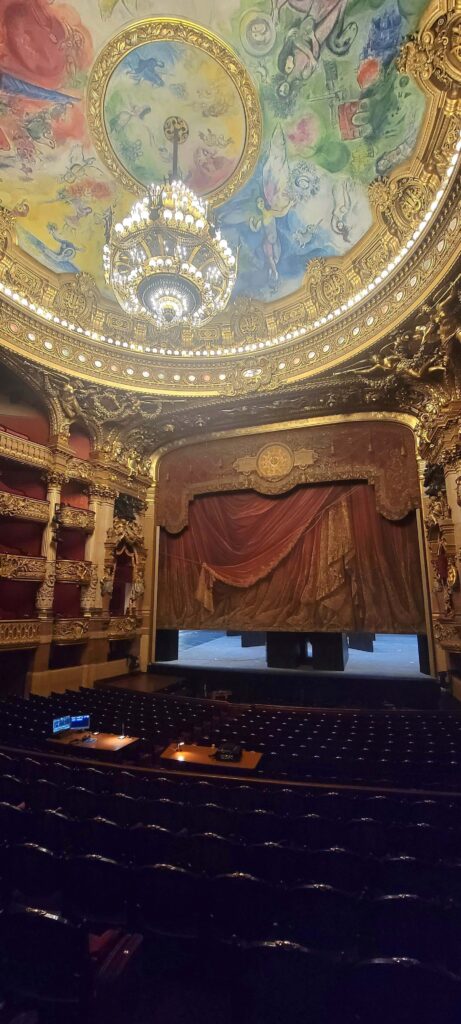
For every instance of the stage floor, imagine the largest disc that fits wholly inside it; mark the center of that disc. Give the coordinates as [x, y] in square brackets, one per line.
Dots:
[392, 655]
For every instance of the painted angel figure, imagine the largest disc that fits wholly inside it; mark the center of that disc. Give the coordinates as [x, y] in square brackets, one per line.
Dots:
[322, 24]
[275, 203]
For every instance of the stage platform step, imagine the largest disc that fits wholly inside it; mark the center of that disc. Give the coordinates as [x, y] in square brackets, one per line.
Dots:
[302, 689]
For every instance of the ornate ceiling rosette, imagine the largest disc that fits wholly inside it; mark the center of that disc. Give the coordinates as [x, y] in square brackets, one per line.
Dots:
[294, 323]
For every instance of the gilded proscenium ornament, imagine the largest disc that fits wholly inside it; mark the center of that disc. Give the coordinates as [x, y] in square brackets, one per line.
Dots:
[174, 30]
[18, 506]
[73, 571]
[19, 632]
[22, 567]
[275, 461]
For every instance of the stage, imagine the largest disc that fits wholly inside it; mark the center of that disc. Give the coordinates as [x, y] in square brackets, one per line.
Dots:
[297, 688]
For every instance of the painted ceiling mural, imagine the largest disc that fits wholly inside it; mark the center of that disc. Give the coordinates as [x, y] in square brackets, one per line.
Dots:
[336, 114]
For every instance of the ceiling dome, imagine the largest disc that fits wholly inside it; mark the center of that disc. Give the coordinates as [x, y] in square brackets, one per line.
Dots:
[310, 133]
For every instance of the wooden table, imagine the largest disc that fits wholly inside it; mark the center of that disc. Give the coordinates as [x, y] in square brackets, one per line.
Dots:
[99, 742]
[192, 754]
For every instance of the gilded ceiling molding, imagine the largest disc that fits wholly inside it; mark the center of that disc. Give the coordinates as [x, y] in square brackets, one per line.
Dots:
[174, 30]
[432, 58]
[399, 296]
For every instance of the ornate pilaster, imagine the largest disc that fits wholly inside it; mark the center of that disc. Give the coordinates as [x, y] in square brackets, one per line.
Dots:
[96, 597]
[442, 449]
[53, 496]
[45, 594]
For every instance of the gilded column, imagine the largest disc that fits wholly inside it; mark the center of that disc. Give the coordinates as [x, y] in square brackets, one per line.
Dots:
[147, 606]
[45, 593]
[96, 597]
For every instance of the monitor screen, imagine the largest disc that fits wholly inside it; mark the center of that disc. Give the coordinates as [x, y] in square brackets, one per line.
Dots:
[61, 724]
[80, 722]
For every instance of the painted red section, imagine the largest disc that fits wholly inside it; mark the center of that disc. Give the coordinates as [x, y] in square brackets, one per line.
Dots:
[71, 544]
[20, 538]
[80, 442]
[72, 494]
[17, 599]
[122, 577]
[67, 600]
[21, 480]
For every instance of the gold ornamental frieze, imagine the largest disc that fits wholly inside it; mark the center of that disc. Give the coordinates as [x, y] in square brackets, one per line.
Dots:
[17, 506]
[448, 635]
[70, 630]
[72, 571]
[19, 632]
[22, 567]
[275, 461]
[76, 518]
[121, 627]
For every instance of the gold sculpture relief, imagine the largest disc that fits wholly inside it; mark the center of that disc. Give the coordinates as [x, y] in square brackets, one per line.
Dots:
[70, 630]
[19, 632]
[448, 635]
[22, 567]
[400, 203]
[125, 530]
[121, 627]
[17, 506]
[434, 55]
[275, 461]
[76, 518]
[73, 571]
[76, 299]
[327, 285]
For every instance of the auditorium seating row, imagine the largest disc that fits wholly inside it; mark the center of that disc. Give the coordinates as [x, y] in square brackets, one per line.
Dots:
[301, 902]
[376, 747]
[375, 843]
[260, 981]
[164, 898]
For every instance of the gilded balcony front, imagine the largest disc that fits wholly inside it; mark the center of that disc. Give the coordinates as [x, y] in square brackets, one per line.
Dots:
[19, 632]
[121, 627]
[76, 518]
[18, 506]
[22, 567]
[72, 571]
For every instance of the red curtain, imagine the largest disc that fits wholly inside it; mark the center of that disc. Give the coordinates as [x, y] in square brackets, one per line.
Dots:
[319, 558]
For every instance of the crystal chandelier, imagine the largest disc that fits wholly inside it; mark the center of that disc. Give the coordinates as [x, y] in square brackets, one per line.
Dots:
[167, 262]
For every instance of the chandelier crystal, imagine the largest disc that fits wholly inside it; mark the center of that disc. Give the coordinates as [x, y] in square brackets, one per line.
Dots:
[167, 262]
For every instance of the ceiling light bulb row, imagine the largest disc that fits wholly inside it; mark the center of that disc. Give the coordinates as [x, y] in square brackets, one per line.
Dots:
[297, 333]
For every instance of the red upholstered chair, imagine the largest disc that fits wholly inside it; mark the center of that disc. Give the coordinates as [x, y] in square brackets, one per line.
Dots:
[45, 961]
